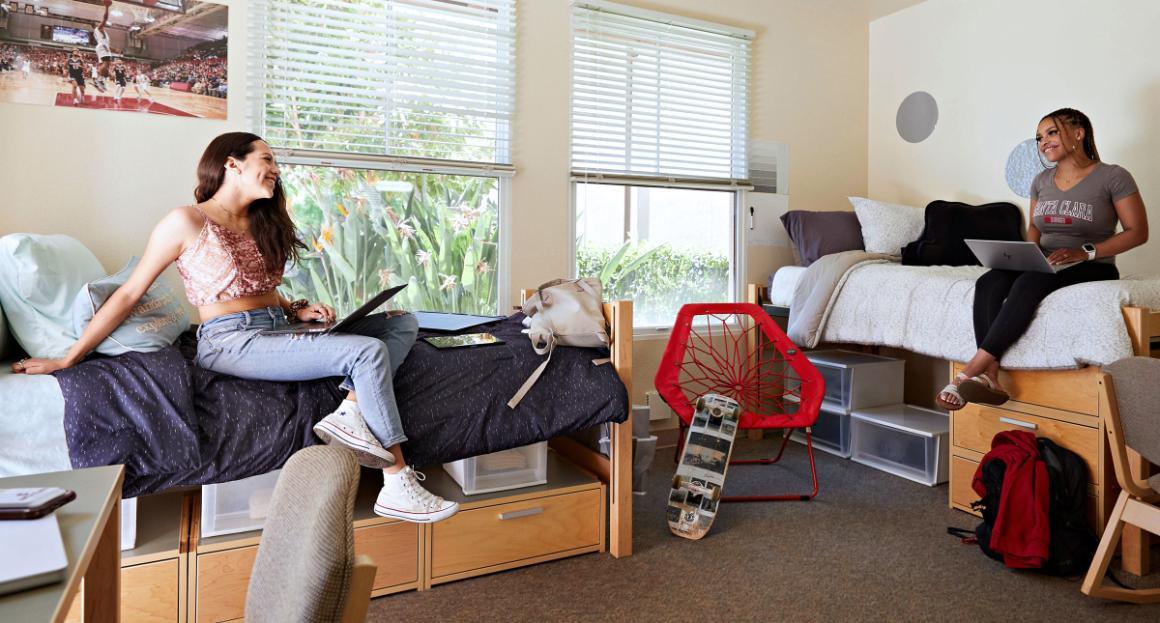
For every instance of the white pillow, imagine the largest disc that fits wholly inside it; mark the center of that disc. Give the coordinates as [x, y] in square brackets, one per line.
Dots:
[887, 227]
[39, 280]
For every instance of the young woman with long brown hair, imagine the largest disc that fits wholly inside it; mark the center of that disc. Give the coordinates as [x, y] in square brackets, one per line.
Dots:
[230, 249]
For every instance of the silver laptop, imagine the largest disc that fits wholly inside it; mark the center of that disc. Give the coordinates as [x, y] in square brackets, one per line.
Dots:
[322, 328]
[1013, 255]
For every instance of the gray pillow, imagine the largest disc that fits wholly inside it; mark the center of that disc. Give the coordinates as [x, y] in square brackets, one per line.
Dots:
[155, 322]
[815, 234]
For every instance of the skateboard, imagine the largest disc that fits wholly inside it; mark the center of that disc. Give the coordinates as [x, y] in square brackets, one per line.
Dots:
[701, 473]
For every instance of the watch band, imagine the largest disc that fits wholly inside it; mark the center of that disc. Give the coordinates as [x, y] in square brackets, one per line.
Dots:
[1090, 249]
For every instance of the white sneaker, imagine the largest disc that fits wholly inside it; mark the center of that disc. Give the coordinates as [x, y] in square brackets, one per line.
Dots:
[404, 498]
[346, 427]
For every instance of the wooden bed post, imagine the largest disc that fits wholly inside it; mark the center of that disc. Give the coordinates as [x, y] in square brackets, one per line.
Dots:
[619, 316]
[616, 469]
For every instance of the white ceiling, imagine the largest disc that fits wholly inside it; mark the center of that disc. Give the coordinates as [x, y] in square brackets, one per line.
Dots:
[869, 10]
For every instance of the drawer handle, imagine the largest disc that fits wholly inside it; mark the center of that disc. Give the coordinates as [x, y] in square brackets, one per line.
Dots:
[527, 512]
[1007, 420]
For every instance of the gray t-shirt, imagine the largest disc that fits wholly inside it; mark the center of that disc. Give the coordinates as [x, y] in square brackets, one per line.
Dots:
[1085, 212]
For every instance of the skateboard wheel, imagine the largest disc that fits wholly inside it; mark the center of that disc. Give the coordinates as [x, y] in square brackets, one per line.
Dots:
[677, 481]
[716, 494]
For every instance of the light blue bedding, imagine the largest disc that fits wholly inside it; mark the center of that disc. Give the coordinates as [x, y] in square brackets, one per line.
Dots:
[31, 424]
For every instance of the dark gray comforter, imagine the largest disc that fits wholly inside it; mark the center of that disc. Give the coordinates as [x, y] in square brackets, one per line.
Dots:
[173, 424]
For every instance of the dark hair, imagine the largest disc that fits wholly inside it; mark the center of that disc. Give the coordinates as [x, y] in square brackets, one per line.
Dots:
[1073, 118]
[270, 223]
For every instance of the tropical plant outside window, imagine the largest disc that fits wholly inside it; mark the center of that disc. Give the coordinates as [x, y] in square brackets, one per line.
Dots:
[376, 89]
[368, 230]
[659, 247]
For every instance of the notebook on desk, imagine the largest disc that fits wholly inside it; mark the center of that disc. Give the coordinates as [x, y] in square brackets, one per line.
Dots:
[33, 553]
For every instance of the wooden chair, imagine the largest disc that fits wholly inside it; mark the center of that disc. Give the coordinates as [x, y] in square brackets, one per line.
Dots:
[306, 569]
[1127, 407]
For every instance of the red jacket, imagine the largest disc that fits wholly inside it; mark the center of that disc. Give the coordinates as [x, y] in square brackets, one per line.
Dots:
[1022, 531]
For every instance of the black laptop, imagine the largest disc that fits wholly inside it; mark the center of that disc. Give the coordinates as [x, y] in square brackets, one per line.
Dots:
[322, 328]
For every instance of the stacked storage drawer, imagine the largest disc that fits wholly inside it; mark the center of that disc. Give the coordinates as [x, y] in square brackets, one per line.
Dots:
[907, 441]
[853, 381]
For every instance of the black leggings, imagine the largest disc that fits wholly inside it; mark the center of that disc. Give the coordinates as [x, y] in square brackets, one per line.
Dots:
[1005, 300]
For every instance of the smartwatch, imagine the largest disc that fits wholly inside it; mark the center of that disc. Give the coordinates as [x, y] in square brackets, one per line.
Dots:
[1090, 249]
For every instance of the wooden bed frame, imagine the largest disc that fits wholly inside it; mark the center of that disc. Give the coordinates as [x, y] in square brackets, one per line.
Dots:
[175, 575]
[614, 470]
[1067, 396]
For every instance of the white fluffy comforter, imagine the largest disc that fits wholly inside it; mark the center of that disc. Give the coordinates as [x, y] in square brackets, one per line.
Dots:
[927, 309]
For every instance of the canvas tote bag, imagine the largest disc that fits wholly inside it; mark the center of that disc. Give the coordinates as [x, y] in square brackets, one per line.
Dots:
[567, 312]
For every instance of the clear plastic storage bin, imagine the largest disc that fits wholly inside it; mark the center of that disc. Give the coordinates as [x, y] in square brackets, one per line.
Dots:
[906, 441]
[508, 469]
[128, 523]
[237, 506]
[858, 380]
[831, 432]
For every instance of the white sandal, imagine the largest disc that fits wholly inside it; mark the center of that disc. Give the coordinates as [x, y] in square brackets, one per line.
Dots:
[983, 390]
[953, 390]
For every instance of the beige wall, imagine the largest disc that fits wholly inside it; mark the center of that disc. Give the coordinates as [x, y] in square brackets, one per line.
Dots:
[106, 178]
[810, 92]
[996, 67]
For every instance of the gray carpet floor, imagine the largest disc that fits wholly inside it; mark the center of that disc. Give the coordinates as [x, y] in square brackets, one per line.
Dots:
[870, 547]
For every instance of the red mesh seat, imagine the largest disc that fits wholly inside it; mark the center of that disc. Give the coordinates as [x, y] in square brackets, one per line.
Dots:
[736, 350]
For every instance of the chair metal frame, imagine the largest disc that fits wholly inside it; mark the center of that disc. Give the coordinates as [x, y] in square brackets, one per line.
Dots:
[739, 368]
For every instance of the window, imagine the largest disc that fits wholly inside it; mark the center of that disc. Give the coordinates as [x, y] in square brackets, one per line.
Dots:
[368, 230]
[659, 155]
[659, 247]
[391, 119]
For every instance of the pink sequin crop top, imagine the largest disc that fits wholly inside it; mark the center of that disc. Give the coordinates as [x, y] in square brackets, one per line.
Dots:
[222, 266]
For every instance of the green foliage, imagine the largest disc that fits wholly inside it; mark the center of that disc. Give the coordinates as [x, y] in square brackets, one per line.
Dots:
[369, 230]
[657, 279]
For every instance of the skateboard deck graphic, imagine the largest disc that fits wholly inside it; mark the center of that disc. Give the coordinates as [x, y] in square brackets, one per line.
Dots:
[700, 475]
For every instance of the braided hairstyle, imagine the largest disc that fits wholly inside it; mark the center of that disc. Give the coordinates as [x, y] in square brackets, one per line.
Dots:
[1072, 118]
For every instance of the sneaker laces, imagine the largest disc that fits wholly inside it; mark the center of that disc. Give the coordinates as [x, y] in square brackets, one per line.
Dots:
[416, 491]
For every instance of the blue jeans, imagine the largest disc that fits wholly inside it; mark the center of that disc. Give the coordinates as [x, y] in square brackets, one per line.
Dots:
[368, 356]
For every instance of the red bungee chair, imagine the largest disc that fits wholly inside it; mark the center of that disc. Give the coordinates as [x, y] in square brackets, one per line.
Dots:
[736, 350]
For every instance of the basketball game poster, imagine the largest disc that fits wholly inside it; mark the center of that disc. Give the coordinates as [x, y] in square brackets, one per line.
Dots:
[157, 57]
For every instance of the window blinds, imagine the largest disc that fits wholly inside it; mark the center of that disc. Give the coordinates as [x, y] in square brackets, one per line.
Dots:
[657, 96]
[422, 79]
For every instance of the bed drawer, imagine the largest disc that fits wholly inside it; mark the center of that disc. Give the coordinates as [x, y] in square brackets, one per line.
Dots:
[224, 576]
[1070, 390]
[516, 531]
[963, 470]
[149, 594]
[395, 550]
[975, 425]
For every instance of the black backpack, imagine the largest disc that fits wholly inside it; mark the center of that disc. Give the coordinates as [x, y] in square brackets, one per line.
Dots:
[1073, 543]
[948, 223]
[993, 473]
